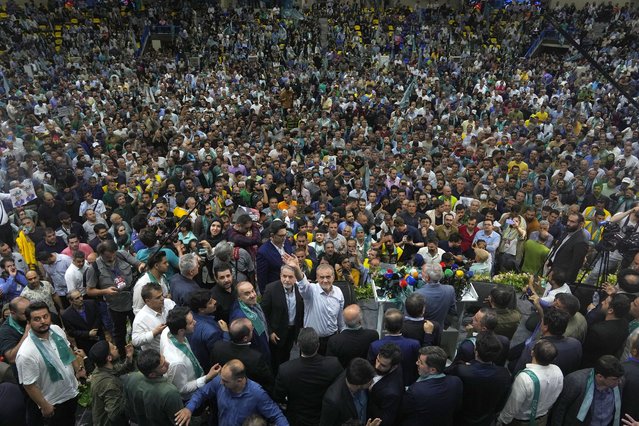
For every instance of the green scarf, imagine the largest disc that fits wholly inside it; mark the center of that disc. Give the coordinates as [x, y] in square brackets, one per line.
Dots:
[431, 377]
[589, 396]
[14, 324]
[186, 350]
[64, 351]
[254, 317]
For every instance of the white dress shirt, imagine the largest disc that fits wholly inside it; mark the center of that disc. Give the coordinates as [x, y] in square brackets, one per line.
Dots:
[551, 381]
[181, 372]
[74, 277]
[138, 303]
[33, 370]
[144, 323]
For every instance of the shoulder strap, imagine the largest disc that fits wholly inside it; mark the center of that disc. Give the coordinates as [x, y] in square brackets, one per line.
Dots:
[84, 277]
[536, 391]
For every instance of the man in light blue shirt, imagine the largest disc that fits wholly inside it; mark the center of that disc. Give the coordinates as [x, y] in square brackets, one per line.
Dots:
[323, 302]
[237, 398]
[56, 265]
[489, 235]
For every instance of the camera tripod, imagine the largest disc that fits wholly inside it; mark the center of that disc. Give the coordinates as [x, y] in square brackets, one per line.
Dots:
[602, 275]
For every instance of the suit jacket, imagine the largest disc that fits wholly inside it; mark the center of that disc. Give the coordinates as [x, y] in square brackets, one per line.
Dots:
[570, 256]
[486, 389]
[410, 353]
[351, 344]
[259, 342]
[466, 351]
[385, 398]
[257, 368]
[415, 330]
[567, 407]
[301, 383]
[276, 311]
[432, 402]
[79, 328]
[604, 338]
[630, 396]
[337, 405]
[268, 263]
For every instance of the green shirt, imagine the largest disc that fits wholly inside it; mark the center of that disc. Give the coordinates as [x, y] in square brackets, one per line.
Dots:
[151, 402]
[507, 322]
[107, 394]
[534, 256]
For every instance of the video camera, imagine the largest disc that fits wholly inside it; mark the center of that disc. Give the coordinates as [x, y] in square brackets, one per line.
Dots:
[614, 237]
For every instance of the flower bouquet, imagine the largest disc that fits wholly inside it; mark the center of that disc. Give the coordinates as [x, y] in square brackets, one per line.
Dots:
[457, 276]
[517, 280]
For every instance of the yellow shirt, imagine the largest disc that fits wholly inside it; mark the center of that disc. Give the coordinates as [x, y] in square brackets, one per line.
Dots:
[522, 165]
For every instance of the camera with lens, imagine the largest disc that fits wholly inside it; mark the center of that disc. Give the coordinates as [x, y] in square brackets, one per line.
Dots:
[614, 237]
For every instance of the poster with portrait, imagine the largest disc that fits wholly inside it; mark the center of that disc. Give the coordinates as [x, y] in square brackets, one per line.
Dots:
[23, 193]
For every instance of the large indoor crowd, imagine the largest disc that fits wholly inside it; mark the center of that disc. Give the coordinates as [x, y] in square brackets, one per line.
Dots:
[193, 201]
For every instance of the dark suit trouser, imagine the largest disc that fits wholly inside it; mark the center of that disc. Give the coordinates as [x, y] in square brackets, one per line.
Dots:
[119, 328]
[282, 352]
[323, 343]
[64, 414]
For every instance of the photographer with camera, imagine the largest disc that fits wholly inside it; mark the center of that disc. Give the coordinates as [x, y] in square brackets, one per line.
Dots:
[621, 239]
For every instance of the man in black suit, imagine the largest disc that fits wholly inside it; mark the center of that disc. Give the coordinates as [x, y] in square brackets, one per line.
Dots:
[345, 400]
[82, 321]
[222, 291]
[284, 311]
[486, 385]
[607, 337]
[426, 332]
[569, 251]
[241, 333]
[385, 398]
[302, 382]
[354, 340]
[434, 398]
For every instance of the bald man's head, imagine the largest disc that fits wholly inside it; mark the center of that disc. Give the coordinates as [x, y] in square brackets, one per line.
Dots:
[353, 316]
[233, 376]
[241, 330]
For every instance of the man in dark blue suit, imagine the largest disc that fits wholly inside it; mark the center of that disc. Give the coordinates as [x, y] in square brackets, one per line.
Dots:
[269, 255]
[82, 321]
[385, 397]
[246, 306]
[441, 301]
[486, 385]
[208, 329]
[393, 322]
[434, 398]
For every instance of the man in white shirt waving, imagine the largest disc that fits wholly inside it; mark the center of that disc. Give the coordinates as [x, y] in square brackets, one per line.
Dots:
[323, 302]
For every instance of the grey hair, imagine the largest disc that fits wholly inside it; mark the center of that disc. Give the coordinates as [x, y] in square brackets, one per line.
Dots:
[290, 268]
[544, 223]
[187, 263]
[223, 250]
[434, 273]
